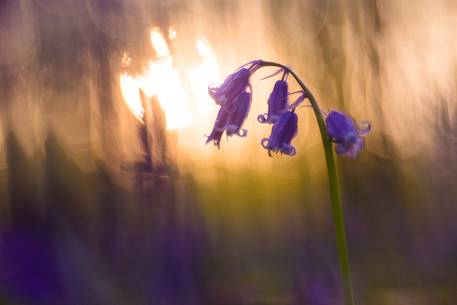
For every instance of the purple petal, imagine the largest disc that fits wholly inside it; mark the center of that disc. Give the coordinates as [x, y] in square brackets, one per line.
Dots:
[277, 101]
[215, 137]
[232, 86]
[350, 150]
[282, 133]
[339, 125]
[341, 149]
[356, 148]
[288, 150]
[242, 104]
[220, 125]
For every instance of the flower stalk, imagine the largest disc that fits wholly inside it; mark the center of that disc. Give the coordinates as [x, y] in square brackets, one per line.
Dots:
[334, 188]
[336, 128]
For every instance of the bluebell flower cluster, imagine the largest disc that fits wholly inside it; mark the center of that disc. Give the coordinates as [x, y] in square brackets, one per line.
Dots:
[336, 127]
[234, 97]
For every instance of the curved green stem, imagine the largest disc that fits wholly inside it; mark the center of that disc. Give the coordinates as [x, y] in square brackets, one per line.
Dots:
[335, 196]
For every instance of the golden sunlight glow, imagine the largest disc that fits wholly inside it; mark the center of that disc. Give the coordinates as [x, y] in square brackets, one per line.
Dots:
[171, 33]
[162, 79]
[159, 44]
[130, 88]
[203, 74]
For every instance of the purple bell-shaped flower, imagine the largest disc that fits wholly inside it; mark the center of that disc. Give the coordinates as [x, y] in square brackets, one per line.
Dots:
[343, 131]
[282, 133]
[230, 118]
[277, 103]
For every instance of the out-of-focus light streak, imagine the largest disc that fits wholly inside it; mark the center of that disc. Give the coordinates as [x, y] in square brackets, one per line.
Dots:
[207, 72]
[162, 79]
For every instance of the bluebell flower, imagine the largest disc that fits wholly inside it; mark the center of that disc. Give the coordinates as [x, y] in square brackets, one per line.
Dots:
[230, 118]
[277, 103]
[282, 133]
[343, 131]
[233, 85]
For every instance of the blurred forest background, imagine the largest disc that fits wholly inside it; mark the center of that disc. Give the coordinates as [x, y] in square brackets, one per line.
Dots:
[228, 226]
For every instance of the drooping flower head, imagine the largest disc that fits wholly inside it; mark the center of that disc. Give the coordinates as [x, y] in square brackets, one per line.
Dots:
[235, 101]
[277, 103]
[230, 118]
[282, 133]
[343, 131]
